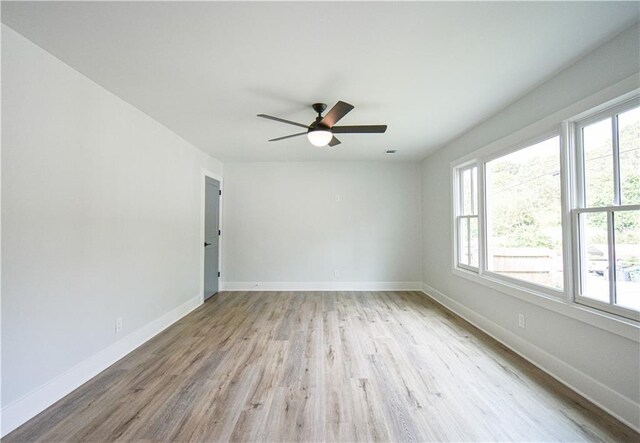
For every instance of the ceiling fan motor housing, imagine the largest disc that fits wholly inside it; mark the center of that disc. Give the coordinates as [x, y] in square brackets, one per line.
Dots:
[317, 126]
[319, 108]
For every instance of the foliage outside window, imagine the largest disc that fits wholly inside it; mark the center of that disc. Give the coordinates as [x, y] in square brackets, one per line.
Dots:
[524, 214]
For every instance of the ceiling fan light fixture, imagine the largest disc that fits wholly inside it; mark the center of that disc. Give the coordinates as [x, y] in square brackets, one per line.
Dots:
[319, 137]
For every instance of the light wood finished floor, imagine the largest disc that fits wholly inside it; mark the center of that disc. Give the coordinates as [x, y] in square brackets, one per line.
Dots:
[322, 366]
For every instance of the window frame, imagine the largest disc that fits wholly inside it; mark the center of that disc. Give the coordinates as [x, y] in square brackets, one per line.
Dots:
[483, 251]
[624, 90]
[459, 214]
[555, 131]
[579, 205]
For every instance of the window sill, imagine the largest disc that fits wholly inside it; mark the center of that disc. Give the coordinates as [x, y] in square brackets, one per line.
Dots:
[609, 322]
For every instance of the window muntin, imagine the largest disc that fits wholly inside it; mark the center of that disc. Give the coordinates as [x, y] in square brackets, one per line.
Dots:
[467, 218]
[524, 214]
[608, 212]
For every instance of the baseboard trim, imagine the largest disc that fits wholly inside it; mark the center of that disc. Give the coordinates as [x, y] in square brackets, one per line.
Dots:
[322, 286]
[27, 407]
[612, 402]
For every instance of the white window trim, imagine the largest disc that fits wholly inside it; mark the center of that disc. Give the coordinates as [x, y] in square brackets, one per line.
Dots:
[456, 180]
[558, 122]
[579, 205]
[480, 163]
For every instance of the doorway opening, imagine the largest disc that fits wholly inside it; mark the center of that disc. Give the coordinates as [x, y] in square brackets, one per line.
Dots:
[212, 234]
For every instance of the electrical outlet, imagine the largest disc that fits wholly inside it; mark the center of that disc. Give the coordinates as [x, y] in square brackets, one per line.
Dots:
[336, 273]
[521, 321]
[118, 325]
[256, 285]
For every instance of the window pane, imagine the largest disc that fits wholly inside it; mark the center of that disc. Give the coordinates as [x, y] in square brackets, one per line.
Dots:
[627, 247]
[473, 238]
[629, 142]
[466, 192]
[594, 267]
[463, 241]
[598, 164]
[524, 214]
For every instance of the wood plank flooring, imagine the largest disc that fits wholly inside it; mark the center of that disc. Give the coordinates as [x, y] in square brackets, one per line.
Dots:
[322, 366]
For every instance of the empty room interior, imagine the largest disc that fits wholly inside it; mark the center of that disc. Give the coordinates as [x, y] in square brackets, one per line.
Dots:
[320, 221]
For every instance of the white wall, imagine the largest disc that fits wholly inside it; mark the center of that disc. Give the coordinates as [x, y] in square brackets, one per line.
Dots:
[100, 218]
[284, 229]
[603, 365]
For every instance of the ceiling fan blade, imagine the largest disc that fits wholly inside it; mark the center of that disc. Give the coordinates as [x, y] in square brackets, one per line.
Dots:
[362, 129]
[334, 141]
[287, 136]
[338, 111]
[281, 120]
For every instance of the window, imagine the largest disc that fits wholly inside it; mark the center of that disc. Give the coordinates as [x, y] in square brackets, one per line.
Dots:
[607, 214]
[558, 216]
[524, 214]
[467, 218]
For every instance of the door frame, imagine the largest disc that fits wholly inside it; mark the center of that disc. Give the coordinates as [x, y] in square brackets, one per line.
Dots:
[203, 178]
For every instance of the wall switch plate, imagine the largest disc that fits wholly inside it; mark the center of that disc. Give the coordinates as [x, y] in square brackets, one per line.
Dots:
[118, 325]
[336, 273]
[337, 197]
[521, 320]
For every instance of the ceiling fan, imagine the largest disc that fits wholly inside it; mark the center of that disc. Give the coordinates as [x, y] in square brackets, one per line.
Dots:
[321, 131]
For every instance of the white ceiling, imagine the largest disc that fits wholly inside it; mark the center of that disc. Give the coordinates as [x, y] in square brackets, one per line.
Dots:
[430, 71]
